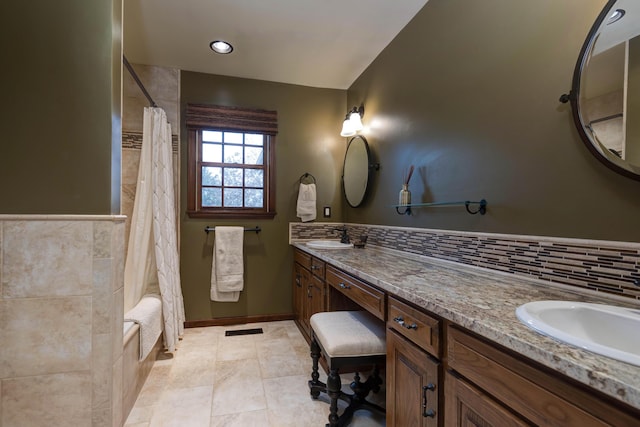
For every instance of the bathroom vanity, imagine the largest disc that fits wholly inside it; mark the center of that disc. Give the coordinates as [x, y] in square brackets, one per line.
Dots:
[456, 353]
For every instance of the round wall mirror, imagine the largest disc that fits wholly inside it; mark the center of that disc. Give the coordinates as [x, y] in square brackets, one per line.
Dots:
[356, 171]
[605, 93]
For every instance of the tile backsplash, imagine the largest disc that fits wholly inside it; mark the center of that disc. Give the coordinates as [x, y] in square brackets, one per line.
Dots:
[604, 266]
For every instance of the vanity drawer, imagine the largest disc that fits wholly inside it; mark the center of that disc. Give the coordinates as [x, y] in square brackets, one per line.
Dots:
[302, 258]
[540, 396]
[418, 327]
[317, 268]
[365, 295]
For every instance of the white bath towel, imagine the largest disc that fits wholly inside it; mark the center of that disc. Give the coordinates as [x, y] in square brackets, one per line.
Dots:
[227, 269]
[148, 314]
[306, 206]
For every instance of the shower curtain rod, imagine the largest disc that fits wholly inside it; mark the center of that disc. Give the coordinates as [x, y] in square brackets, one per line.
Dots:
[135, 77]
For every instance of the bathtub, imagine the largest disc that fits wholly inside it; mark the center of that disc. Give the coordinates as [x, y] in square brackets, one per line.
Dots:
[135, 371]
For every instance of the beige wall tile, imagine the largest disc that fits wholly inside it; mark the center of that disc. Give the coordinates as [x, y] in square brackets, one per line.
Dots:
[42, 336]
[118, 255]
[117, 394]
[47, 258]
[60, 309]
[47, 400]
[117, 321]
[102, 303]
[130, 165]
[1, 260]
[102, 379]
[102, 239]
[163, 86]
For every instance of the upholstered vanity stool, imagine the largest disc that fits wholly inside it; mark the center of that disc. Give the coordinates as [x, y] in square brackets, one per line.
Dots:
[347, 339]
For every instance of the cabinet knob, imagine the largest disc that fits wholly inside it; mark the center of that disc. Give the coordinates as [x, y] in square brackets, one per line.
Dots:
[343, 286]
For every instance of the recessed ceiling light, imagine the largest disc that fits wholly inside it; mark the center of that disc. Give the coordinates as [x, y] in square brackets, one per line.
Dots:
[616, 16]
[221, 46]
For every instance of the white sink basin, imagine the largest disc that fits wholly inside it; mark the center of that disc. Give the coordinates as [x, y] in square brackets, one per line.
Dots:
[603, 329]
[328, 244]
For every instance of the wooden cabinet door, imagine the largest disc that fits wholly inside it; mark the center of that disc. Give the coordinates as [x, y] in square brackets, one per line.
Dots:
[412, 385]
[298, 292]
[316, 296]
[305, 295]
[466, 406]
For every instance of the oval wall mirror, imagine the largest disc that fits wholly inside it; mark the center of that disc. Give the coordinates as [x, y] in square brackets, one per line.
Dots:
[605, 93]
[356, 171]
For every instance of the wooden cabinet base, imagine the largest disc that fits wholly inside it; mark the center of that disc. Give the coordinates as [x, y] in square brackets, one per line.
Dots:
[413, 390]
[541, 397]
[466, 406]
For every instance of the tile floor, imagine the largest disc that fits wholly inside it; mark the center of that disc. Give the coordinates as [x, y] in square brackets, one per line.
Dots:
[244, 381]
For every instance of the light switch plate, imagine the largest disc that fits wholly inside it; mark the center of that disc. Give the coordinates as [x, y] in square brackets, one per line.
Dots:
[327, 211]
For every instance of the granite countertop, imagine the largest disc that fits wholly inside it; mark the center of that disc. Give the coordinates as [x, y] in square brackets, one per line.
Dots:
[485, 302]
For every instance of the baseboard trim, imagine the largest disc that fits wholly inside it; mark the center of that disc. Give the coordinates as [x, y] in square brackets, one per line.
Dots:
[237, 320]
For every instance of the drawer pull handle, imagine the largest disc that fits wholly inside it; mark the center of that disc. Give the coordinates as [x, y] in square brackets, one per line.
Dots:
[314, 267]
[343, 286]
[430, 413]
[400, 321]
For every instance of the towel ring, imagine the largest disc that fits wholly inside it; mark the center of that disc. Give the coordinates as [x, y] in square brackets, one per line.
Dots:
[307, 175]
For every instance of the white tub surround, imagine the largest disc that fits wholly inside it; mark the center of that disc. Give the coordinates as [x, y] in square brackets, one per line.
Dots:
[61, 307]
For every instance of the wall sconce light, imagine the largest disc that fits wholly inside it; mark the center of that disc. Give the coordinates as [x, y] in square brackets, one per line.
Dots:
[352, 122]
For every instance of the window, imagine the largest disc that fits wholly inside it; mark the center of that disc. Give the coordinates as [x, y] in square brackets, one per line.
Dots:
[231, 162]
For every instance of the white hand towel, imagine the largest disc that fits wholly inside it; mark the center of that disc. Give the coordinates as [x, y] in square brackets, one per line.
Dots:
[148, 314]
[227, 269]
[306, 206]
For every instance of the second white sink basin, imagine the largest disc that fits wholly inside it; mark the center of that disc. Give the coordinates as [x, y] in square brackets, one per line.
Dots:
[607, 330]
[328, 244]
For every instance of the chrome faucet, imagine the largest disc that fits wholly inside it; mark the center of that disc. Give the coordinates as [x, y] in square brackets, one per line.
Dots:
[344, 237]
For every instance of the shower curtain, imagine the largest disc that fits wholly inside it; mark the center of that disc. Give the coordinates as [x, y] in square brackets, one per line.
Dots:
[152, 264]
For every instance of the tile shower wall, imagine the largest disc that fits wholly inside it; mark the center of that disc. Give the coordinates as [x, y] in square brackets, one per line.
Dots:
[61, 302]
[163, 84]
[603, 266]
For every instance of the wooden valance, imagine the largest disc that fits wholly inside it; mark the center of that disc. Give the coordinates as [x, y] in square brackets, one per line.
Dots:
[232, 118]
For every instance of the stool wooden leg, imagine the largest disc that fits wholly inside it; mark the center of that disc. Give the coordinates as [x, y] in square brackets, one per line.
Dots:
[315, 386]
[374, 381]
[360, 389]
[333, 390]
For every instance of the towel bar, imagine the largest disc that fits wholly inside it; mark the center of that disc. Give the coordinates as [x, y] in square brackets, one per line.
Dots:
[257, 229]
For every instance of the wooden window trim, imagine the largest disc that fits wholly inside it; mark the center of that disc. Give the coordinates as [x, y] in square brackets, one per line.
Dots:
[230, 119]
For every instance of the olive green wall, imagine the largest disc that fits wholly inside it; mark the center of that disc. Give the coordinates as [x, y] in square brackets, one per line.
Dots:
[308, 140]
[61, 98]
[468, 93]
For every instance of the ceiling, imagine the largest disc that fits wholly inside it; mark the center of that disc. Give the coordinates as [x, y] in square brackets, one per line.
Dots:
[318, 43]
[625, 29]
[606, 65]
